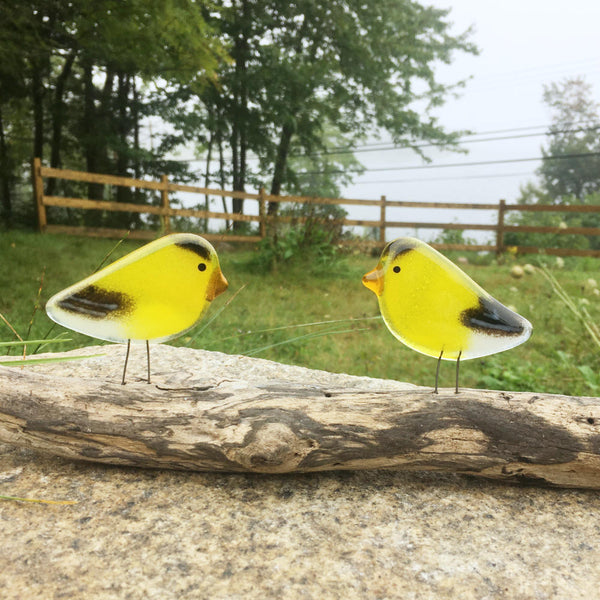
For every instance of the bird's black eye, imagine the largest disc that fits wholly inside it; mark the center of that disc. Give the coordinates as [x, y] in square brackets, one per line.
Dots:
[202, 267]
[396, 269]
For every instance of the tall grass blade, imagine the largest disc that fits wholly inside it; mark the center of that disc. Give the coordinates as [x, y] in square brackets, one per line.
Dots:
[36, 305]
[580, 312]
[298, 325]
[10, 326]
[306, 336]
[110, 252]
[217, 313]
[25, 342]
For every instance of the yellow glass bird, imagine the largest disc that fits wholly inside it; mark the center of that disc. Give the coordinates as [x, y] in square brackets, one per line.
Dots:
[156, 293]
[433, 307]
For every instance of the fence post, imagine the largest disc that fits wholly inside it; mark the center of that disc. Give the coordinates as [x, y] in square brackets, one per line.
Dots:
[262, 213]
[164, 200]
[382, 220]
[38, 193]
[500, 230]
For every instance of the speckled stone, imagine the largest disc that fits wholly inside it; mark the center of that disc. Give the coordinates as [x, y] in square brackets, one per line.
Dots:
[375, 535]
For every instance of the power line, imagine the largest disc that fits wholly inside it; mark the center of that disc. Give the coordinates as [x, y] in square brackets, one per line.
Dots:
[464, 138]
[464, 164]
[460, 177]
[357, 150]
[528, 71]
[489, 132]
[384, 146]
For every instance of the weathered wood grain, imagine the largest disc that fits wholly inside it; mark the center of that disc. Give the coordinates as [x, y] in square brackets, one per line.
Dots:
[280, 428]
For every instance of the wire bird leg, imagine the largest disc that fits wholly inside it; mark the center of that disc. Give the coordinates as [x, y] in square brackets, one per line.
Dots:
[457, 367]
[148, 358]
[437, 372]
[126, 360]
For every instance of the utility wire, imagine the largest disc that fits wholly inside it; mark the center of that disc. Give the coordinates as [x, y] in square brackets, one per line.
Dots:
[385, 146]
[547, 131]
[460, 177]
[427, 145]
[447, 165]
[464, 164]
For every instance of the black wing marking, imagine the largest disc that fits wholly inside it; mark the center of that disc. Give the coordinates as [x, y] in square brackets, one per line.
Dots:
[96, 303]
[493, 318]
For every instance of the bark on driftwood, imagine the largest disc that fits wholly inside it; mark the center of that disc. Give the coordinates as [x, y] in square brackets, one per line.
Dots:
[283, 427]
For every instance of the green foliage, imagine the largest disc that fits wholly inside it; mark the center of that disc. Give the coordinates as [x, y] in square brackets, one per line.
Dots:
[311, 233]
[453, 236]
[301, 68]
[498, 374]
[322, 173]
[287, 81]
[574, 131]
[564, 180]
[591, 378]
[73, 91]
[292, 244]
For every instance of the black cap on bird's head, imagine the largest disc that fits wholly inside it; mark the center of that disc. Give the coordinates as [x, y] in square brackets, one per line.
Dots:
[374, 279]
[199, 247]
[398, 247]
[217, 283]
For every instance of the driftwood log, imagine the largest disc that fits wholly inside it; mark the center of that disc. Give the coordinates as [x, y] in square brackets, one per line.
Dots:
[282, 427]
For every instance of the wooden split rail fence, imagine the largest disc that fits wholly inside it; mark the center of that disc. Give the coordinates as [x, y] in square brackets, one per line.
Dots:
[165, 211]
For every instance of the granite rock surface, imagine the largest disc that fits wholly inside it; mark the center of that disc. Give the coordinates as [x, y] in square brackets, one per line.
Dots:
[151, 534]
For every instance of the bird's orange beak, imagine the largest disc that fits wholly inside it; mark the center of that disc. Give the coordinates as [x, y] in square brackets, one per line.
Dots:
[374, 280]
[216, 285]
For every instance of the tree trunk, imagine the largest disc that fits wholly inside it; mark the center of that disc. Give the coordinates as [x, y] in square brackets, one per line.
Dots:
[90, 134]
[237, 204]
[6, 176]
[139, 195]
[123, 194]
[288, 129]
[135, 117]
[37, 97]
[222, 176]
[280, 163]
[106, 121]
[58, 118]
[239, 424]
[207, 174]
[240, 123]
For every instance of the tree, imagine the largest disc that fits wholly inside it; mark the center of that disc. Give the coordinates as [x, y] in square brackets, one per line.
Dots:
[570, 172]
[534, 194]
[359, 66]
[298, 67]
[574, 133]
[83, 76]
[83, 69]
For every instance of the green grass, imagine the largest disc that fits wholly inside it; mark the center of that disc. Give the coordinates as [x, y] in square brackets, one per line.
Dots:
[266, 315]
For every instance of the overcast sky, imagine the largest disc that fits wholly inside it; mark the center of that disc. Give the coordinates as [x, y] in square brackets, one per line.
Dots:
[523, 44]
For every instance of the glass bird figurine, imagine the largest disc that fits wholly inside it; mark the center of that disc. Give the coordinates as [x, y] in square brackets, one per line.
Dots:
[433, 307]
[155, 293]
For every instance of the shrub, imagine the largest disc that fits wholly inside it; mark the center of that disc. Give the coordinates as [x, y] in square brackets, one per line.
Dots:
[310, 231]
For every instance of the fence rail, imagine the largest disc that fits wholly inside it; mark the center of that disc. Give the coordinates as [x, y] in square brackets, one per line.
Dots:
[165, 211]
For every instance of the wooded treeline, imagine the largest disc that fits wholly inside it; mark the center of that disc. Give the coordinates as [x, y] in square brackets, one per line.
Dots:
[262, 89]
